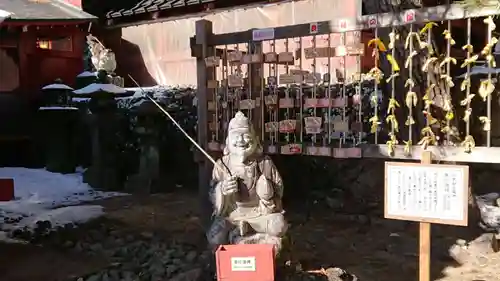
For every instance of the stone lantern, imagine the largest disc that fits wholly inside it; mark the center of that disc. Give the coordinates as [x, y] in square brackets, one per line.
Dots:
[147, 178]
[104, 172]
[56, 94]
[57, 128]
[85, 78]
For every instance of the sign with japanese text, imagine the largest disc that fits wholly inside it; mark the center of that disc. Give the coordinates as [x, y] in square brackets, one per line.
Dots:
[427, 193]
[243, 264]
[263, 34]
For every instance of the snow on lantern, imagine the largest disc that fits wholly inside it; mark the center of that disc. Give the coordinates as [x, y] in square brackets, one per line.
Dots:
[85, 78]
[56, 94]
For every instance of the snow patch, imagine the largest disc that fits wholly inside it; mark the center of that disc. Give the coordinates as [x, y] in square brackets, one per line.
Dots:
[42, 195]
[87, 74]
[57, 87]
[64, 215]
[97, 87]
[58, 108]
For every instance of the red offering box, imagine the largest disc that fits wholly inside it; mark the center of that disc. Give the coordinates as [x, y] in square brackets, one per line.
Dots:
[6, 189]
[245, 262]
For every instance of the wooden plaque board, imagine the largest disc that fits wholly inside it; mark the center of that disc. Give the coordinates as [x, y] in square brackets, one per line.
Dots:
[431, 193]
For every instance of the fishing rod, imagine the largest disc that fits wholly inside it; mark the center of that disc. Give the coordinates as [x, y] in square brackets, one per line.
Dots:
[225, 168]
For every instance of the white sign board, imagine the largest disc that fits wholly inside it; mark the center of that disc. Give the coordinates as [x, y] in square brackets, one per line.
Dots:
[263, 34]
[243, 264]
[427, 193]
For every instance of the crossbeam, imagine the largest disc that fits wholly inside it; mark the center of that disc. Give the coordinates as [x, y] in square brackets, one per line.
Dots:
[424, 15]
[440, 153]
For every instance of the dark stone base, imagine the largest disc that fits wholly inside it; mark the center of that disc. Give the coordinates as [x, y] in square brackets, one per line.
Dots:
[103, 178]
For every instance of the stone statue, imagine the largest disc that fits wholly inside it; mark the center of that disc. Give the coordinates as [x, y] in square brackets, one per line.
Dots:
[246, 192]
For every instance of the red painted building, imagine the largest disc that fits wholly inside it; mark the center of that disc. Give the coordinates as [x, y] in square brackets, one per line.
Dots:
[41, 40]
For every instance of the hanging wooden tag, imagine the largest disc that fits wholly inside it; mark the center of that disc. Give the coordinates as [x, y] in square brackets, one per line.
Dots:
[291, 149]
[212, 84]
[247, 104]
[211, 106]
[290, 79]
[310, 103]
[341, 126]
[271, 57]
[271, 100]
[235, 56]
[299, 72]
[212, 61]
[287, 126]
[324, 151]
[353, 152]
[313, 125]
[246, 59]
[339, 153]
[319, 151]
[324, 102]
[318, 52]
[286, 57]
[256, 58]
[338, 102]
[271, 149]
[235, 81]
[271, 127]
[312, 78]
[350, 50]
[286, 103]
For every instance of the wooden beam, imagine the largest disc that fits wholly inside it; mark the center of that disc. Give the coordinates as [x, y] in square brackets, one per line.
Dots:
[441, 153]
[435, 14]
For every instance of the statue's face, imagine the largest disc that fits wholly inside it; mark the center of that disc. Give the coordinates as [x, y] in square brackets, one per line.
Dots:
[241, 142]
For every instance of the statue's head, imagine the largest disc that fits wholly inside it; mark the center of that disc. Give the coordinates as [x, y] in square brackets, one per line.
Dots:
[241, 140]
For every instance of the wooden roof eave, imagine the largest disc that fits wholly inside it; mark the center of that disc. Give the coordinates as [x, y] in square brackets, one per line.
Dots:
[42, 22]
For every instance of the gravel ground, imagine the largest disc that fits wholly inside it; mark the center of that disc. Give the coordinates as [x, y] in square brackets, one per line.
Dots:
[159, 238]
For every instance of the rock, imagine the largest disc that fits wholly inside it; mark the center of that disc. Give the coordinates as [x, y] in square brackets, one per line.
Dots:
[338, 274]
[190, 275]
[171, 269]
[147, 235]
[128, 276]
[94, 277]
[114, 274]
[157, 269]
[78, 247]
[96, 247]
[191, 256]
[68, 244]
[459, 254]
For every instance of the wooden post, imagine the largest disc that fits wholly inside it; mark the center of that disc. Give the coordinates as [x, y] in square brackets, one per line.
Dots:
[424, 263]
[203, 34]
[256, 75]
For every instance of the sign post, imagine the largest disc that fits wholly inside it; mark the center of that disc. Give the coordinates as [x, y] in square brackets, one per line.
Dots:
[424, 240]
[426, 193]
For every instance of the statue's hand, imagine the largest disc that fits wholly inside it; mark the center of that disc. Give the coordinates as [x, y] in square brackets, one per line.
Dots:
[229, 185]
[264, 189]
[266, 207]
